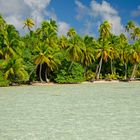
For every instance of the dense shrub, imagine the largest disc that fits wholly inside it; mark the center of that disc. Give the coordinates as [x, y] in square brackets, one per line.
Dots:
[89, 75]
[73, 75]
[114, 76]
[3, 82]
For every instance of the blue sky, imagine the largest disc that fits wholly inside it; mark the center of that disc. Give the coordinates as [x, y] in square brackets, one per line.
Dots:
[84, 15]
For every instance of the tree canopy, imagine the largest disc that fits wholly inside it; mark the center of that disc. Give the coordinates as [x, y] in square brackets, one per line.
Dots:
[42, 55]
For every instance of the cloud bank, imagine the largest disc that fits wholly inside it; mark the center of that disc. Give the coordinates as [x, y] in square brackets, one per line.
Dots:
[96, 13]
[16, 11]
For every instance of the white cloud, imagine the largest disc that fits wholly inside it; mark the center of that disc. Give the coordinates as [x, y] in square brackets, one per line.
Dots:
[37, 17]
[16, 11]
[136, 12]
[15, 20]
[37, 4]
[63, 28]
[82, 10]
[13, 7]
[100, 12]
[102, 9]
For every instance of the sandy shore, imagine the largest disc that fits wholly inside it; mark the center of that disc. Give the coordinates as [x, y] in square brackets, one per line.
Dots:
[86, 82]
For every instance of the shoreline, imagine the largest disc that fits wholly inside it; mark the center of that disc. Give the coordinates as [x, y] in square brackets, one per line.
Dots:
[86, 82]
[37, 83]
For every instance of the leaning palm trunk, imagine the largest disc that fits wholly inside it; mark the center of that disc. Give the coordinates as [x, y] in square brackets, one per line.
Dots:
[125, 67]
[134, 71]
[32, 72]
[100, 67]
[97, 69]
[40, 71]
[95, 76]
[70, 66]
[85, 70]
[46, 76]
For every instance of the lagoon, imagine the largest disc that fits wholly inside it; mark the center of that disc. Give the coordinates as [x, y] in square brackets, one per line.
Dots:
[90, 111]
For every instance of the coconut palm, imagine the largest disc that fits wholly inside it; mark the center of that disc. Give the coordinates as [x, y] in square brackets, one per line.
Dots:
[135, 34]
[135, 57]
[104, 30]
[124, 52]
[63, 42]
[102, 53]
[53, 26]
[2, 23]
[113, 51]
[130, 26]
[14, 69]
[75, 50]
[102, 46]
[46, 55]
[71, 32]
[48, 33]
[12, 43]
[29, 23]
[89, 56]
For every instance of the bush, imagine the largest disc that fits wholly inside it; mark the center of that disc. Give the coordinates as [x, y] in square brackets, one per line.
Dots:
[89, 75]
[114, 76]
[74, 75]
[3, 82]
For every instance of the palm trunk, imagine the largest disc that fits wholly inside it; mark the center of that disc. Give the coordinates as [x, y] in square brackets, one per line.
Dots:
[125, 66]
[133, 72]
[85, 70]
[70, 66]
[40, 70]
[95, 77]
[29, 29]
[100, 67]
[111, 65]
[32, 72]
[46, 76]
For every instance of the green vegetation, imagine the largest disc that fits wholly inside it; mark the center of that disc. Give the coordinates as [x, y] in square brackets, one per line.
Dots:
[73, 75]
[42, 55]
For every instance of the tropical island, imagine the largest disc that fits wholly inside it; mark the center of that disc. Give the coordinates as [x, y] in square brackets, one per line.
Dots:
[41, 55]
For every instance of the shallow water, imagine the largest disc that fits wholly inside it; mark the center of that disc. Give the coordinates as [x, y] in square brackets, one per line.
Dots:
[105, 111]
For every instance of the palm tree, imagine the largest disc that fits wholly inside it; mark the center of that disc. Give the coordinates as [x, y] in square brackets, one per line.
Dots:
[104, 30]
[124, 52]
[2, 23]
[136, 33]
[113, 50]
[47, 46]
[75, 50]
[11, 42]
[135, 57]
[29, 23]
[71, 32]
[89, 56]
[14, 69]
[130, 26]
[48, 33]
[102, 46]
[46, 55]
[102, 53]
[53, 26]
[63, 42]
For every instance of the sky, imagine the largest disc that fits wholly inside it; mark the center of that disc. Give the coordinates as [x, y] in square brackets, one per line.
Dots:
[83, 15]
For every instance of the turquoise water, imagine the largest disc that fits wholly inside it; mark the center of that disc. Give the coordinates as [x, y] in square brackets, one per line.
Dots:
[108, 111]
